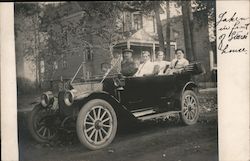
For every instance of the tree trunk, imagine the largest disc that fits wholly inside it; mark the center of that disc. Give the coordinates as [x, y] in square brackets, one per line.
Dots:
[36, 49]
[187, 30]
[159, 25]
[167, 31]
[191, 20]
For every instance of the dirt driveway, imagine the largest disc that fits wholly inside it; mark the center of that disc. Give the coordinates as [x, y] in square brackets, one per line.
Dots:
[148, 141]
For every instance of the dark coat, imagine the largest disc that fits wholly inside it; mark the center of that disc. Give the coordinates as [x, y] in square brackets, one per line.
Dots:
[128, 68]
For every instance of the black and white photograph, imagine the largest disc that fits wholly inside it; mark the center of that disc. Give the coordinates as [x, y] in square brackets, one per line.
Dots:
[127, 80]
[121, 80]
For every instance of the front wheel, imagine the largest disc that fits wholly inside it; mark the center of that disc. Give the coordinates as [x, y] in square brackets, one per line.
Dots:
[96, 124]
[190, 108]
[41, 124]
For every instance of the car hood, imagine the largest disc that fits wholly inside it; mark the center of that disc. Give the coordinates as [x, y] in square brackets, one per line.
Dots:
[87, 87]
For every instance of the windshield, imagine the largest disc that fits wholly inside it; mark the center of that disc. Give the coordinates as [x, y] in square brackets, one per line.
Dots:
[109, 72]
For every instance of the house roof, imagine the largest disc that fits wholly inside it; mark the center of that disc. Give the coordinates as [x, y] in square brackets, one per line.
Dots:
[139, 38]
[141, 35]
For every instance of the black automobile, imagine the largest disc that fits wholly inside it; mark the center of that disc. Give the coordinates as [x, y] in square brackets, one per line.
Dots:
[96, 107]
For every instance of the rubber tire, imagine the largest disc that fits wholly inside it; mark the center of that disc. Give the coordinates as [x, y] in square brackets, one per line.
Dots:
[183, 118]
[80, 119]
[31, 124]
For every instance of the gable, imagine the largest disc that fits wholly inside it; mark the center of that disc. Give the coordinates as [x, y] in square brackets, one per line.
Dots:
[141, 35]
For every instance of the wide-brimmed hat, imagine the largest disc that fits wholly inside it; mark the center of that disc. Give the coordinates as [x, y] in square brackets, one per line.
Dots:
[127, 50]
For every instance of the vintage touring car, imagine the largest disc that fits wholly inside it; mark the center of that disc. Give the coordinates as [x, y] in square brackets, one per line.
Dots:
[95, 108]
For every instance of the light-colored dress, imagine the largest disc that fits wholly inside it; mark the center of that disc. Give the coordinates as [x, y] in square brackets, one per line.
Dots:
[145, 69]
[162, 65]
[177, 65]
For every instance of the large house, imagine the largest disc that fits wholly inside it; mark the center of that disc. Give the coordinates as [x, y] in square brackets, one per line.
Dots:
[143, 36]
[138, 33]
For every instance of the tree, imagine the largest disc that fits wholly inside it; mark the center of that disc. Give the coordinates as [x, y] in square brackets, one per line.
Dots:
[187, 26]
[188, 7]
[105, 19]
[209, 7]
[159, 25]
[27, 29]
[167, 30]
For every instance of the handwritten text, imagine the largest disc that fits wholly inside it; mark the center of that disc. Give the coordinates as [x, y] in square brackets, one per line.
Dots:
[232, 29]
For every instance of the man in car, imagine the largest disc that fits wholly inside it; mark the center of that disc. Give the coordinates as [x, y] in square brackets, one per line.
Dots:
[128, 66]
[177, 64]
[146, 67]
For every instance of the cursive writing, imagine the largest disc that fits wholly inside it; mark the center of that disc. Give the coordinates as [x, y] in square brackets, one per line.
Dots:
[232, 29]
[234, 18]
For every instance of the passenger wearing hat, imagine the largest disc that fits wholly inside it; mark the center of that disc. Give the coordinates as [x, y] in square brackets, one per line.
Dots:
[146, 68]
[128, 66]
[177, 64]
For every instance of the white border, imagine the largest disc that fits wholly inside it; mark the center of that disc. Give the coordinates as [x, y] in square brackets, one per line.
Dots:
[233, 91]
[9, 143]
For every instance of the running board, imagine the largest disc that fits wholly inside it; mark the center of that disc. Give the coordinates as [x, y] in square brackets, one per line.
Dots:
[158, 115]
[143, 113]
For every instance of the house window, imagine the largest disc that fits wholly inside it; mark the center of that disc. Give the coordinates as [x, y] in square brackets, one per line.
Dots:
[88, 55]
[137, 21]
[42, 67]
[154, 24]
[213, 45]
[173, 47]
[88, 75]
[149, 24]
[64, 65]
[55, 65]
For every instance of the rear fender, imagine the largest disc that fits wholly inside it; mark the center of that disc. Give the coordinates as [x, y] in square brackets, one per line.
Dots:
[121, 111]
[188, 86]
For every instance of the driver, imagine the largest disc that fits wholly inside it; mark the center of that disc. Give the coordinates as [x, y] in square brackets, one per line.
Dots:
[128, 66]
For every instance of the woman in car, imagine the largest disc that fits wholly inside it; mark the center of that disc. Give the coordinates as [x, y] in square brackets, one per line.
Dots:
[177, 64]
[146, 67]
[160, 64]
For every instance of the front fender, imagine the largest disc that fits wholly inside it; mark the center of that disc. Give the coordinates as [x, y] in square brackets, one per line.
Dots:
[121, 111]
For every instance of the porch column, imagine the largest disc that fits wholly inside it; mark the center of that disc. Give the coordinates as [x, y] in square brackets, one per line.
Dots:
[211, 57]
[128, 44]
[154, 57]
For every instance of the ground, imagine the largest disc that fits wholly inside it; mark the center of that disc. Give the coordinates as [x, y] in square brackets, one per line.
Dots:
[154, 140]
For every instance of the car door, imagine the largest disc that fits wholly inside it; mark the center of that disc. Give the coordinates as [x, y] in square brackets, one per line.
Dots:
[144, 92]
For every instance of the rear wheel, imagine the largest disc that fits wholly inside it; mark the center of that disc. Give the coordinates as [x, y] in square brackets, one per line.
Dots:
[96, 124]
[41, 124]
[190, 107]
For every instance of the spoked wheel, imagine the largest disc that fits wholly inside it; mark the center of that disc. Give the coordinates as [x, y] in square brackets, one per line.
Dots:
[96, 124]
[41, 124]
[190, 108]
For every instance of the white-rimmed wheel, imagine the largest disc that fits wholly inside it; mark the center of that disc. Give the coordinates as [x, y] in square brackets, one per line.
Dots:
[41, 124]
[190, 107]
[96, 124]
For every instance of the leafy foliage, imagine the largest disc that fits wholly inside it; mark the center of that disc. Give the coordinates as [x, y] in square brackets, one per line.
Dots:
[51, 34]
[27, 9]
